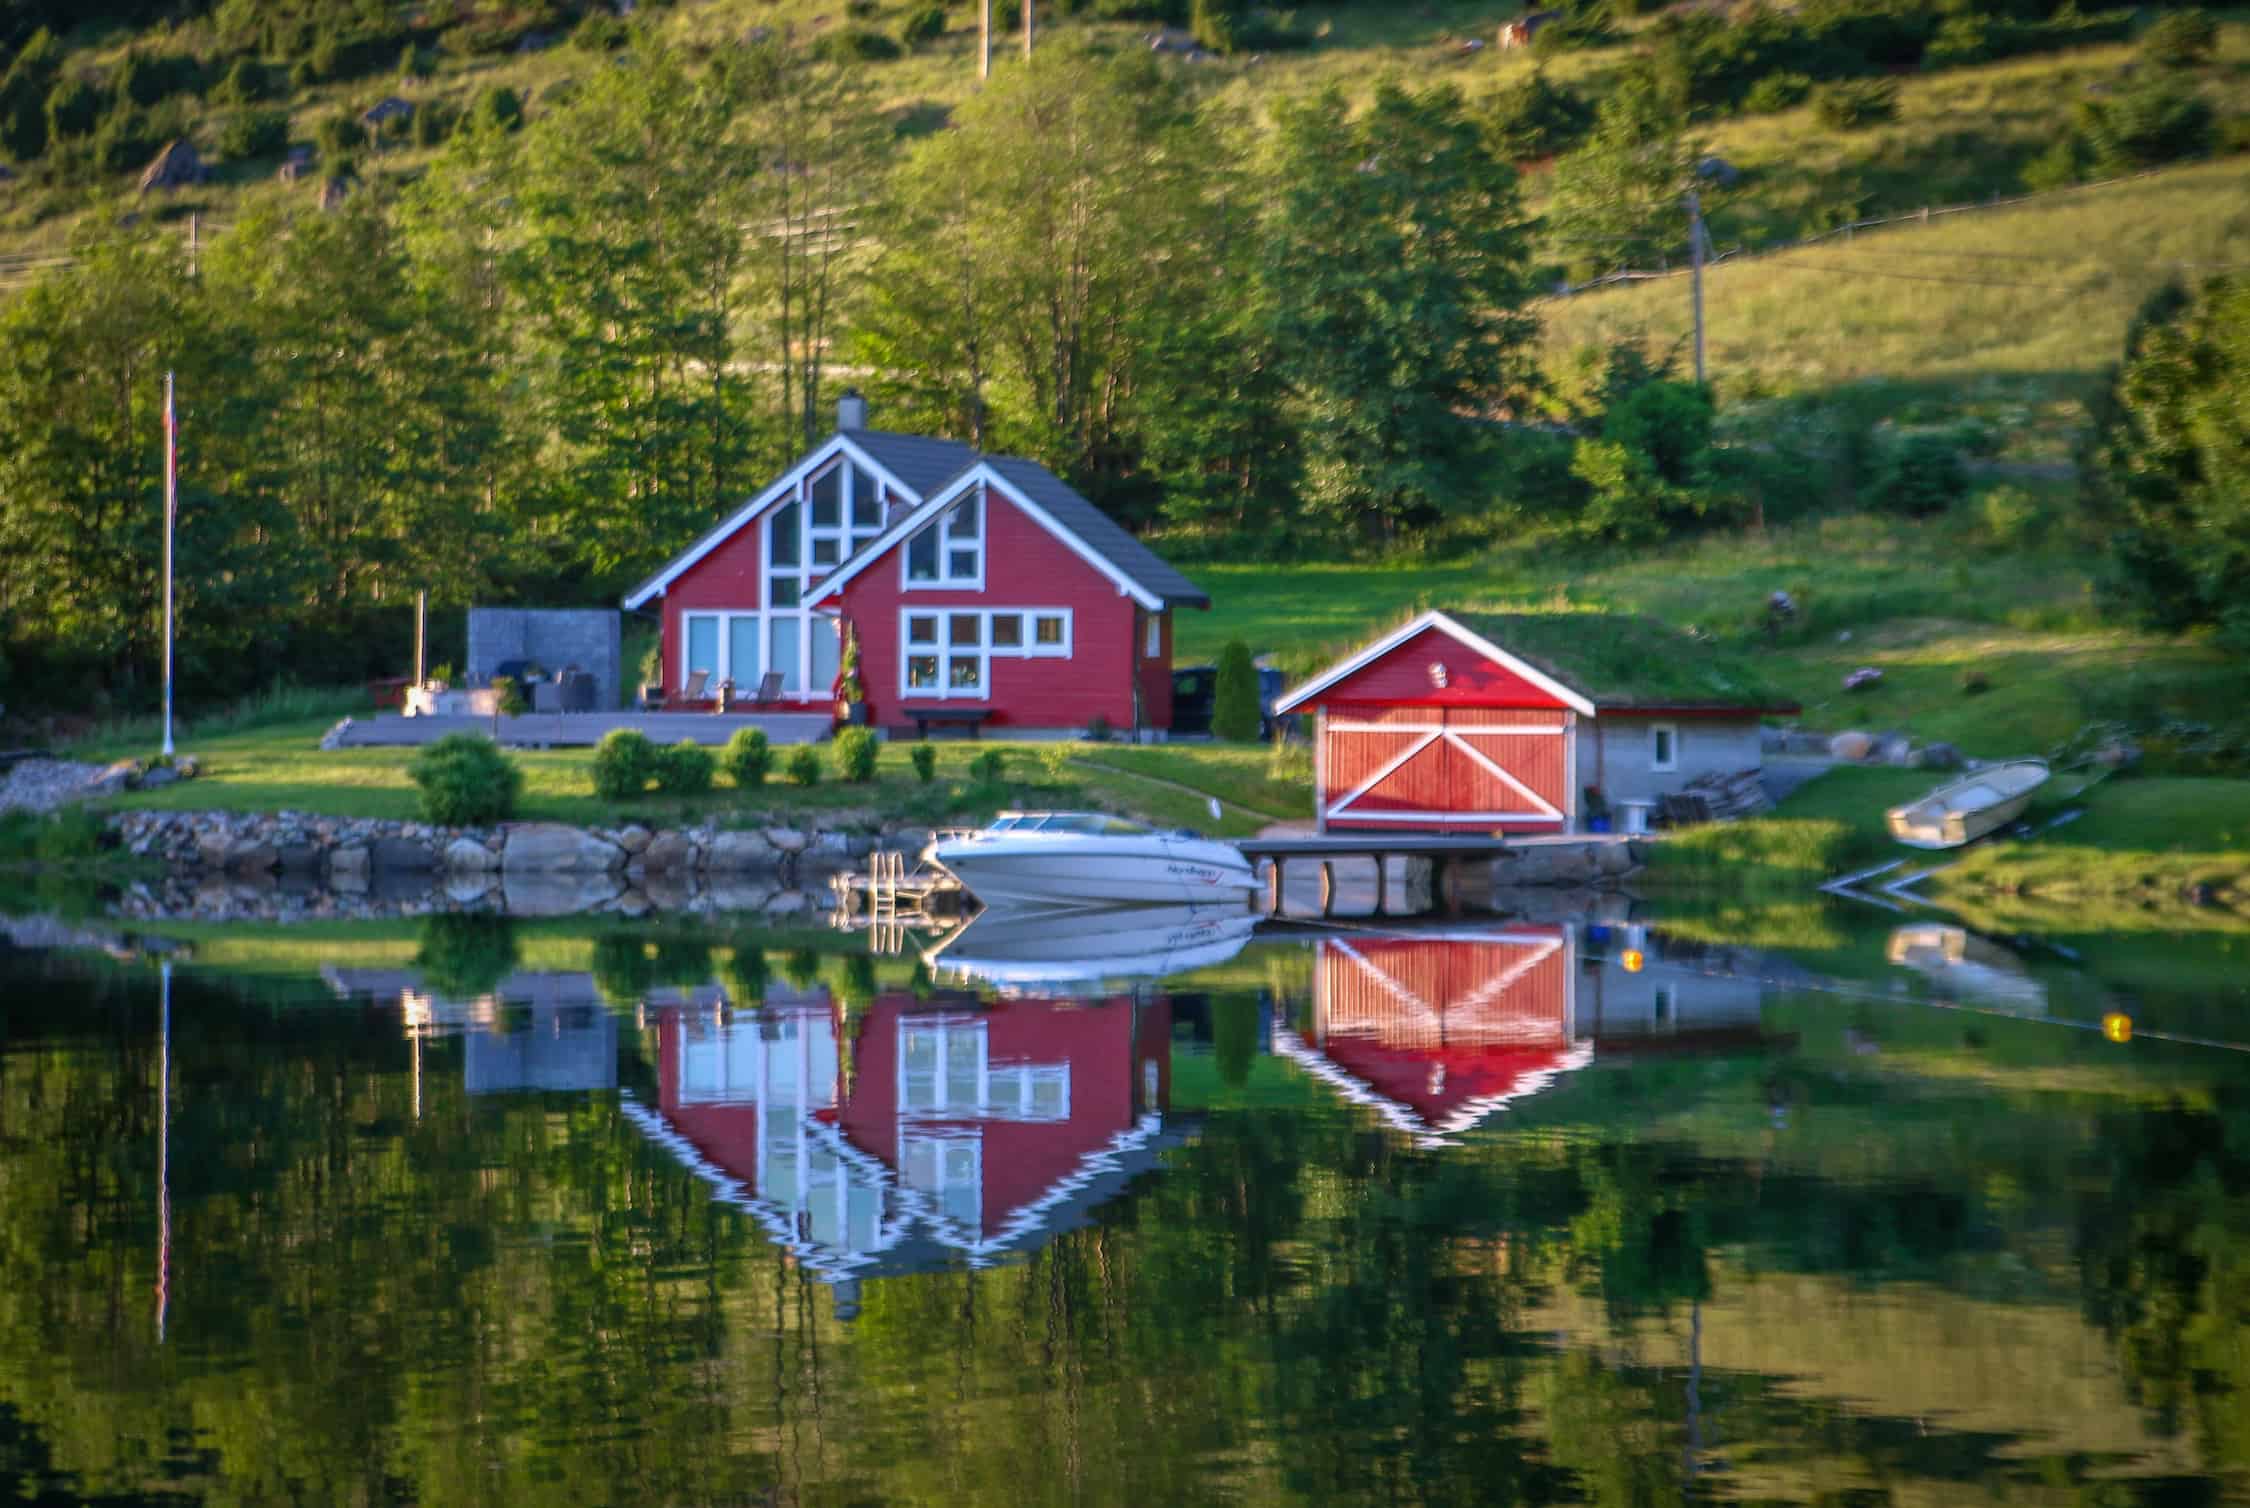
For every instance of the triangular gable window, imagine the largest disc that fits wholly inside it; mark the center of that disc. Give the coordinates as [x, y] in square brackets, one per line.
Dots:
[949, 550]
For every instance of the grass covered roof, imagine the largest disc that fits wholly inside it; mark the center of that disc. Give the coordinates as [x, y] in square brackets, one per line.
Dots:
[1624, 660]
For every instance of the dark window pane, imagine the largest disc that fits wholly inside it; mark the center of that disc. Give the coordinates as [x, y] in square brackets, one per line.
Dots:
[867, 501]
[966, 672]
[828, 498]
[1007, 631]
[825, 550]
[921, 671]
[782, 591]
[921, 630]
[961, 520]
[785, 540]
[921, 556]
[1050, 630]
[964, 565]
[964, 629]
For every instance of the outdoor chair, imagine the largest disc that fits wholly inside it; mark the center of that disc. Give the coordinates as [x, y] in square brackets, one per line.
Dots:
[769, 689]
[697, 681]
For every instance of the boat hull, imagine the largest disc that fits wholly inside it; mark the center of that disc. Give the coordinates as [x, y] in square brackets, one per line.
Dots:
[1970, 808]
[1068, 874]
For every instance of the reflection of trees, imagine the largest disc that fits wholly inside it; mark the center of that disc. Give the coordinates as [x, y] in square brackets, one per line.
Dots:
[465, 954]
[513, 1299]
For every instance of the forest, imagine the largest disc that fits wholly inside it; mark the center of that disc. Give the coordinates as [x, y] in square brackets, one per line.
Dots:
[531, 341]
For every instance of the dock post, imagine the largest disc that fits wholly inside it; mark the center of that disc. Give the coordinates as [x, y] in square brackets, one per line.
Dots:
[1327, 887]
[1382, 883]
[1273, 886]
[1449, 887]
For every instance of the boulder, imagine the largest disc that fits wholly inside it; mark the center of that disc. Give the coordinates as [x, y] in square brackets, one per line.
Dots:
[124, 775]
[158, 776]
[1717, 170]
[634, 838]
[1939, 757]
[733, 853]
[789, 903]
[1851, 746]
[387, 109]
[1614, 859]
[556, 894]
[299, 859]
[552, 848]
[467, 887]
[251, 858]
[670, 890]
[785, 839]
[402, 854]
[668, 853]
[732, 894]
[352, 861]
[468, 856]
[176, 166]
[1896, 749]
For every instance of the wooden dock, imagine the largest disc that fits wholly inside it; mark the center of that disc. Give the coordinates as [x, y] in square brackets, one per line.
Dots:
[1452, 859]
[564, 730]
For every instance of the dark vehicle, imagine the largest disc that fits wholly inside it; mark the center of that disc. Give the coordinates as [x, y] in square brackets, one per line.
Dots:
[1195, 694]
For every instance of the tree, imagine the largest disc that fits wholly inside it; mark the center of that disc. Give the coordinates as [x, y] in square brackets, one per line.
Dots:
[1235, 715]
[1618, 198]
[1395, 269]
[2166, 465]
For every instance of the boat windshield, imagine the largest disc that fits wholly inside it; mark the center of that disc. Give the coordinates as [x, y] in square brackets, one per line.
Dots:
[1064, 822]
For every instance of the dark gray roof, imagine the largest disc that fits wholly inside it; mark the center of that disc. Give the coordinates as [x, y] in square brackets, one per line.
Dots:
[917, 460]
[1099, 531]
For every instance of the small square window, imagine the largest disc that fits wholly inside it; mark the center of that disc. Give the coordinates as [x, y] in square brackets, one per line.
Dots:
[965, 673]
[1664, 747]
[1007, 630]
[783, 591]
[1047, 632]
[921, 672]
[964, 630]
[962, 565]
[825, 550]
[921, 630]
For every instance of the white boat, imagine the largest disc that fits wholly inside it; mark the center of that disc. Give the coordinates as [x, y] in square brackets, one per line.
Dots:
[1050, 859]
[1968, 966]
[1083, 951]
[1970, 807]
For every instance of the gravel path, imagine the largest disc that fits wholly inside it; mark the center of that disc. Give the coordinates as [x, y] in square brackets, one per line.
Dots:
[41, 785]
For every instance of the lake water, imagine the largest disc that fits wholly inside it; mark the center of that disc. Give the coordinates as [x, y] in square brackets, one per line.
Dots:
[1811, 1206]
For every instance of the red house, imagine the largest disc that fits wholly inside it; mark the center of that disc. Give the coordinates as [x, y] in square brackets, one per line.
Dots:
[921, 1133]
[1510, 722]
[981, 589]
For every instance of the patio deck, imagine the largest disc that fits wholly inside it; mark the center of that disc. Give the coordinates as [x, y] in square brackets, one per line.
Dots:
[565, 730]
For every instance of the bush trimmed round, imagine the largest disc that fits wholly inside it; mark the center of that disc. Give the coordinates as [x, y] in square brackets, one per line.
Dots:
[465, 781]
[924, 757]
[804, 765]
[685, 769]
[748, 757]
[855, 755]
[624, 764]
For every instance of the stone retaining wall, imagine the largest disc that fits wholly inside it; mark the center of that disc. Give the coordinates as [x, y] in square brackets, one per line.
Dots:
[348, 853]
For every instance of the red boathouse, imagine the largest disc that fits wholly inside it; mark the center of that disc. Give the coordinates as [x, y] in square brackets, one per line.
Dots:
[1513, 722]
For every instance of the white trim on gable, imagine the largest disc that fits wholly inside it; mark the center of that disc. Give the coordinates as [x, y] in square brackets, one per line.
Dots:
[1437, 620]
[784, 486]
[931, 506]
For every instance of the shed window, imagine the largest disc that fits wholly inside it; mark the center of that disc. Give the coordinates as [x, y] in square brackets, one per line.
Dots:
[1664, 747]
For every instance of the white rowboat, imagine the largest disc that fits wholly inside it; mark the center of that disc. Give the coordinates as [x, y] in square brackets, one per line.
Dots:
[1050, 859]
[1970, 807]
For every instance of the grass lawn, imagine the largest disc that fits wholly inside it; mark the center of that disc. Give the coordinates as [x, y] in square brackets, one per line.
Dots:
[282, 768]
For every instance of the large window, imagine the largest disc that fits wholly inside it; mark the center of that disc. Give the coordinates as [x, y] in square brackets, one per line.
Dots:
[950, 653]
[837, 511]
[725, 647]
[949, 550]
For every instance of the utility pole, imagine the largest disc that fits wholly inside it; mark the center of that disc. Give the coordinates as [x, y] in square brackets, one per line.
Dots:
[1695, 259]
[421, 636]
[1027, 30]
[984, 39]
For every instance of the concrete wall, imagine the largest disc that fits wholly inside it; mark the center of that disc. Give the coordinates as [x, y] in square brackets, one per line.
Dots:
[585, 637]
[1619, 754]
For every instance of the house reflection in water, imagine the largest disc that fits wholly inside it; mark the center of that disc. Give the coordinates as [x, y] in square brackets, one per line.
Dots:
[532, 1032]
[916, 1134]
[1436, 1032]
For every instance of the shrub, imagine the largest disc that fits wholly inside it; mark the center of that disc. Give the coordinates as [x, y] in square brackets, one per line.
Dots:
[246, 83]
[685, 769]
[465, 781]
[140, 81]
[507, 696]
[1962, 39]
[1234, 697]
[861, 10]
[433, 123]
[1849, 104]
[2180, 39]
[1975, 683]
[990, 767]
[2158, 122]
[2065, 162]
[2011, 516]
[74, 108]
[1922, 477]
[337, 136]
[855, 755]
[254, 133]
[499, 108]
[862, 44]
[302, 75]
[1775, 92]
[924, 758]
[465, 955]
[804, 765]
[1212, 23]
[924, 25]
[624, 764]
[1537, 119]
[748, 758]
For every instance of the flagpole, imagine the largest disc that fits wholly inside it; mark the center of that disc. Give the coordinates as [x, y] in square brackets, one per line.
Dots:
[171, 514]
[164, 1157]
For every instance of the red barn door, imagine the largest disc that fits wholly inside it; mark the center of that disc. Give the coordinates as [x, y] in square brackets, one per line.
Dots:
[1398, 768]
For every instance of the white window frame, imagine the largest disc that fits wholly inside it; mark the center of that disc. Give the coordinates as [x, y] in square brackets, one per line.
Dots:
[945, 581]
[724, 670]
[1155, 649]
[985, 653]
[1663, 736]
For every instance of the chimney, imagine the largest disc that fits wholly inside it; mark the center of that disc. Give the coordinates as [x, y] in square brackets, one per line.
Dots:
[851, 410]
